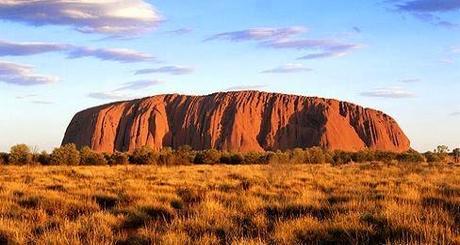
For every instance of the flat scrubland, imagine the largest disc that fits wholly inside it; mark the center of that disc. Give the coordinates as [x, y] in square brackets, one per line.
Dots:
[246, 204]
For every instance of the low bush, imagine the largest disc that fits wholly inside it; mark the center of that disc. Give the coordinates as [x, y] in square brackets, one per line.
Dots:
[65, 155]
[89, 157]
[143, 155]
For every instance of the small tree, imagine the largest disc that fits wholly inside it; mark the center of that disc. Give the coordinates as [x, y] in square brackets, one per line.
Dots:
[456, 153]
[66, 155]
[20, 154]
[442, 149]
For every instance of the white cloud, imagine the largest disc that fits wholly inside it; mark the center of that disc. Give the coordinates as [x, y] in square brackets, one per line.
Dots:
[259, 33]
[107, 96]
[390, 93]
[140, 84]
[121, 55]
[245, 87]
[288, 68]
[23, 75]
[111, 17]
[173, 70]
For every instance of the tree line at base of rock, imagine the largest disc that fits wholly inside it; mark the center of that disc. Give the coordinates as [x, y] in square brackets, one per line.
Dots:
[69, 155]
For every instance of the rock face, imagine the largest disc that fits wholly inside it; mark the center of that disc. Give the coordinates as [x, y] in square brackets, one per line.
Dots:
[235, 121]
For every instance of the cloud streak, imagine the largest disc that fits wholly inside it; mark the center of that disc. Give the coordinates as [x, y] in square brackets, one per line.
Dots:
[136, 85]
[112, 54]
[242, 87]
[114, 17]
[390, 93]
[119, 93]
[429, 10]
[260, 33]
[284, 38]
[322, 48]
[173, 70]
[120, 55]
[288, 68]
[23, 75]
[107, 96]
[21, 49]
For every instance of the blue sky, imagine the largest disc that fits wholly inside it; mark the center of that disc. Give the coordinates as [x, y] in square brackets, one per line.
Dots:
[59, 57]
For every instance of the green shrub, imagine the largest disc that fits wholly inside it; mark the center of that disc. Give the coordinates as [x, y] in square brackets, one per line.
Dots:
[65, 155]
[184, 155]
[236, 158]
[90, 157]
[4, 158]
[434, 157]
[255, 158]
[342, 157]
[118, 158]
[44, 158]
[410, 156]
[315, 155]
[143, 155]
[210, 156]
[20, 154]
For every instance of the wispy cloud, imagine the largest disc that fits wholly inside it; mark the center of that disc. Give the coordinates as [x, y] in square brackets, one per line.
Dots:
[180, 31]
[107, 96]
[21, 49]
[244, 87]
[23, 75]
[322, 48]
[260, 33]
[288, 68]
[21, 97]
[390, 93]
[411, 80]
[42, 102]
[119, 93]
[173, 70]
[284, 38]
[120, 55]
[455, 114]
[113, 54]
[114, 17]
[136, 85]
[429, 10]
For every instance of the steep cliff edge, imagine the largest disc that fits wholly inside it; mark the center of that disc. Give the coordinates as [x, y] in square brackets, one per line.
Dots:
[235, 121]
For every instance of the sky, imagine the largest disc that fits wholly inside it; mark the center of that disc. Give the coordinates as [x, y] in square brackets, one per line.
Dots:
[58, 57]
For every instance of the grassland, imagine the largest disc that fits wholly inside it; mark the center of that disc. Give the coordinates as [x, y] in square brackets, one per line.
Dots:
[220, 204]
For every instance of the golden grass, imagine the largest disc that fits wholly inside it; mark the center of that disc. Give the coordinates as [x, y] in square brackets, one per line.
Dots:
[252, 204]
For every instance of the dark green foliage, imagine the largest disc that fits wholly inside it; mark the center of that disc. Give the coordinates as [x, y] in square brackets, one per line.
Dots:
[410, 156]
[4, 158]
[89, 157]
[435, 157]
[210, 156]
[20, 155]
[44, 158]
[143, 155]
[117, 158]
[69, 155]
[65, 155]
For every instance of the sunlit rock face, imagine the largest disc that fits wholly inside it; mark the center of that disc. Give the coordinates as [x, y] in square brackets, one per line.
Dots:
[235, 121]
